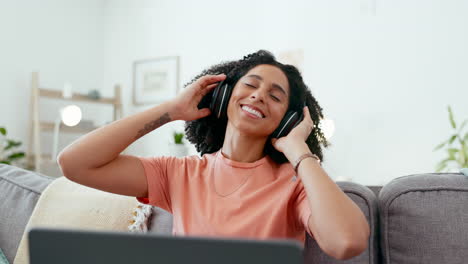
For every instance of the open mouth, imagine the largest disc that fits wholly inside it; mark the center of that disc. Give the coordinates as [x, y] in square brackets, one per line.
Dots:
[252, 111]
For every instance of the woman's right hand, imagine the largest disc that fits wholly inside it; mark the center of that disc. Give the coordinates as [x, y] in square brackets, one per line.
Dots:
[186, 103]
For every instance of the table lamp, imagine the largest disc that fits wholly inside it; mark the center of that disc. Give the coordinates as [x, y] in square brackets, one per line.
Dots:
[70, 116]
[328, 127]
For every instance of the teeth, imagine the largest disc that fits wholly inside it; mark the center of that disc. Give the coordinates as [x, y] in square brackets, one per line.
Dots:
[252, 111]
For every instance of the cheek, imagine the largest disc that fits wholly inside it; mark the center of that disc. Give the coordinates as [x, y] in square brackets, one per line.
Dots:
[231, 109]
[234, 99]
[280, 113]
[232, 102]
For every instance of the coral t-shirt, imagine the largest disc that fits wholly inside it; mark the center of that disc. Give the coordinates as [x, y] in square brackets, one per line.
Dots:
[218, 197]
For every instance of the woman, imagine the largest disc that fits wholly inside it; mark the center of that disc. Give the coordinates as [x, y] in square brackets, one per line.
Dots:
[244, 184]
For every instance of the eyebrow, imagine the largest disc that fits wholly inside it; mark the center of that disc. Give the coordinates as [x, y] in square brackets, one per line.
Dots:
[275, 85]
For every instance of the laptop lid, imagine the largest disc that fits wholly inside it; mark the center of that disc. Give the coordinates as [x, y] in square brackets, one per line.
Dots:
[51, 246]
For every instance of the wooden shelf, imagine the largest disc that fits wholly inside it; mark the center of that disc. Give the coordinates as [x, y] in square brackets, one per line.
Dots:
[75, 97]
[35, 155]
[49, 126]
[44, 158]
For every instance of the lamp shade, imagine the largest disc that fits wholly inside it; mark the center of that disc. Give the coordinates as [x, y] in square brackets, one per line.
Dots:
[71, 115]
[328, 127]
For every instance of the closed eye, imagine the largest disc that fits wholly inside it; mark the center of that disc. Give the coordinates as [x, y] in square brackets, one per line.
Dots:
[272, 96]
[275, 98]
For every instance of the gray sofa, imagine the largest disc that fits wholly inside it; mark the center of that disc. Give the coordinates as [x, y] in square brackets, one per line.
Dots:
[419, 218]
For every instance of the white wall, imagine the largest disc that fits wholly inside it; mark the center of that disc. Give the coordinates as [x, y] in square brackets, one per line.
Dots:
[63, 40]
[385, 71]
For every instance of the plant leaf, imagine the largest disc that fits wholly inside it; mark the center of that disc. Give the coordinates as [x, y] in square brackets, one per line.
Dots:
[3, 131]
[461, 140]
[452, 152]
[5, 162]
[452, 138]
[461, 157]
[16, 155]
[12, 144]
[440, 168]
[442, 165]
[462, 125]
[440, 145]
[452, 121]
[465, 148]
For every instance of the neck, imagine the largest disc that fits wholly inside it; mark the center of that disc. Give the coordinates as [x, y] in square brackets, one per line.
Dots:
[242, 147]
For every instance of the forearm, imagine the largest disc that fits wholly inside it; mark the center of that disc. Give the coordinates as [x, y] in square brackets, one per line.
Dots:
[339, 224]
[104, 144]
[338, 221]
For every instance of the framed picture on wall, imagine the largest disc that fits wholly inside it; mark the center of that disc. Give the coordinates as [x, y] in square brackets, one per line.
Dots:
[155, 80]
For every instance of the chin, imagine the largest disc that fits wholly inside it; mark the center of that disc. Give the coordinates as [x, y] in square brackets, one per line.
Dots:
[255, 131]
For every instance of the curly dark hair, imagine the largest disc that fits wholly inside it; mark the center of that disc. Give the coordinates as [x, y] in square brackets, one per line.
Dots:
[207, 133]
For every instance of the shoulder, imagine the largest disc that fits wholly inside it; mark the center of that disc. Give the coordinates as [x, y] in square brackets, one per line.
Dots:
[191, 161]
[280, 171]
[282, 168]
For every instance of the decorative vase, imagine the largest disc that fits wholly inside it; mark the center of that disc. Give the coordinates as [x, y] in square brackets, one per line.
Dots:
[178, 150]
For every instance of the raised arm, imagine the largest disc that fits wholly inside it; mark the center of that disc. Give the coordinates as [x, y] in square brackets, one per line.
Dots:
[94, 160]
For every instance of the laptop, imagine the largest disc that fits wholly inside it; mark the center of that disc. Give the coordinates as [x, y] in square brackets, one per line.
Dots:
[51, 246]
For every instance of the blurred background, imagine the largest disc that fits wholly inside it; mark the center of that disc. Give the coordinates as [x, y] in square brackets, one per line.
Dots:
[384, 72]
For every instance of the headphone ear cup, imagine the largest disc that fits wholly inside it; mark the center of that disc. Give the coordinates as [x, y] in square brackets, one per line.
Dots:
[220, 100]
[214, 96]
[289, 121]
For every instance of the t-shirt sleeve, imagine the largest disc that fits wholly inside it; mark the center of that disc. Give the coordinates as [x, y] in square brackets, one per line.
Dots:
[159, 172]
[302, 210]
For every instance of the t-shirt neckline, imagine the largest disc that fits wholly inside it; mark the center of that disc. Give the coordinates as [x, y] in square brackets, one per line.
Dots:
[238, 164]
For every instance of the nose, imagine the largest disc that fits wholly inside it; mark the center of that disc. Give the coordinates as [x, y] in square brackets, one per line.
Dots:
[259, 95]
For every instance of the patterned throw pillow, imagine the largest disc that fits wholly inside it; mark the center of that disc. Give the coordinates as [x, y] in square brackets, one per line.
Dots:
[140, 218]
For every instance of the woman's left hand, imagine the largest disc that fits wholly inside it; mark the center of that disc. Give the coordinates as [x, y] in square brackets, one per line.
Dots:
[297, 136]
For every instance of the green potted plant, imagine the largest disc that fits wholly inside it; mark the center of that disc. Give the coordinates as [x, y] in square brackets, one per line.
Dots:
[177, 146]
[178, 136]
[9, 153]
[457, 154]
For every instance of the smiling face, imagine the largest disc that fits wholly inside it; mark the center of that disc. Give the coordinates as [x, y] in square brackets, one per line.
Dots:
[259, 100]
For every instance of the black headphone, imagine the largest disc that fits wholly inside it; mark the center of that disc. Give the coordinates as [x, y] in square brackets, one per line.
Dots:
[220, 100]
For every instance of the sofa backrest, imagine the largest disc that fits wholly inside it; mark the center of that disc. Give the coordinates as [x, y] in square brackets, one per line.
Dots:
[419, 218]
[424, 219]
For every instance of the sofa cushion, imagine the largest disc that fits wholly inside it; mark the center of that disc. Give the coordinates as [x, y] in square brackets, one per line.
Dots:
[67, 205]
[424, 219]
[160, 222]
[19, 191]
[367, 201]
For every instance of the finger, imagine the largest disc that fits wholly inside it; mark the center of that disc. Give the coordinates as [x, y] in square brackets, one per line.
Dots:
[307, 115]
[206, 80]
[212, 85]
[203, 112]
[208, 89]
[310, 122]
[273, 141]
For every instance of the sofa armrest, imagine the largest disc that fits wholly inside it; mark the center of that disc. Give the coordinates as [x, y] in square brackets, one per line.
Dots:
[367, 201]
[19, 192]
